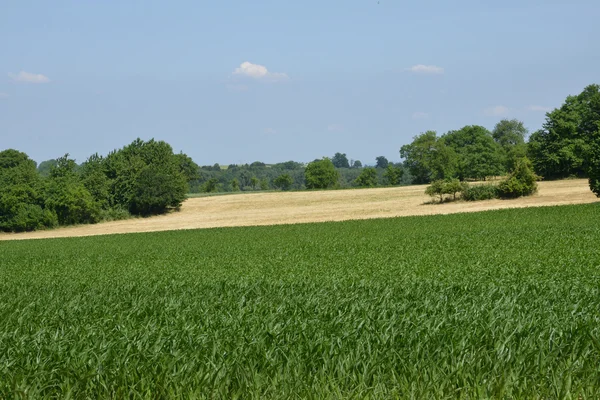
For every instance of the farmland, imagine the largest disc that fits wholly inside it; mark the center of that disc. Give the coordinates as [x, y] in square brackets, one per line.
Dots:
[249, 209]
[493, 304]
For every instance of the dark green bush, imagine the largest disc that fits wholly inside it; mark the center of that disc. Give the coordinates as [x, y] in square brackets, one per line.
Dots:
[486, 191]
[155, 192]
[520, 182]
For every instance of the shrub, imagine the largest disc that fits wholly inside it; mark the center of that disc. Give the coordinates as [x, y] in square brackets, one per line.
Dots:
[155, 192]
[367, 178]
[116, 213]
[487, 191]
[436, 189]
[321, 174]
[520, 182]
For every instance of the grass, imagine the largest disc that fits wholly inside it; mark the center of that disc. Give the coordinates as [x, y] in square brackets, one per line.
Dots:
[500, 304]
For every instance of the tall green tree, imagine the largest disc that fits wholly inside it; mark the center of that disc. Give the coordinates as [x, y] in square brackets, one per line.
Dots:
[564, 146]
[428, 158]
[479, 156]
[510, 135]
[21, 194]
[381, 162]
[321, 174]
[340, 160]
[393, 174]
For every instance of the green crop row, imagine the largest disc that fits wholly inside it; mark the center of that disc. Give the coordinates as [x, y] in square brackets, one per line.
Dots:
[501, 304]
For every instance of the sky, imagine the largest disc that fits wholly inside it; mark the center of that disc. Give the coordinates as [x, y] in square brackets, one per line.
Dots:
[240, 81]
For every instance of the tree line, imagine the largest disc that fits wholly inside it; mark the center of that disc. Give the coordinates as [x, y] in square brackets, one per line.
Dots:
[148, 177]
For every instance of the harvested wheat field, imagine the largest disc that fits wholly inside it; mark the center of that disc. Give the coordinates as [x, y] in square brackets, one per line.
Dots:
[315, 206]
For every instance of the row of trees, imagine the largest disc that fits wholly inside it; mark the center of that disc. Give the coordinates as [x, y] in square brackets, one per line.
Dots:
[142, 178]
[568, 145]
[147, 177]
[291, 175]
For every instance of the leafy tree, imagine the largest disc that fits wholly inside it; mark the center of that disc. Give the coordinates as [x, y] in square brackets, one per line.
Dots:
[428, 158]
[264, 184]
[563, 147]
[288, 165]
[436, 189]
[283, 182]
[381, 162]
[367, 177]
[479, 156]
[393, 174]
[45, 166]
[21, 194]
[66, 195]
[356, 164]
[510, 135]
[453, 186]
[156, 191]
[254, 181]
[321, 174]
[340, 160]
[520, 182]
[235, 184]
[94, 178]
[211, 185]
[258, 164]
[151, 162]
[188, 167]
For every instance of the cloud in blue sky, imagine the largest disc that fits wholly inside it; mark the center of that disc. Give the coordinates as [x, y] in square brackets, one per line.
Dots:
[28, 77]
[426, 69]
[259, 72]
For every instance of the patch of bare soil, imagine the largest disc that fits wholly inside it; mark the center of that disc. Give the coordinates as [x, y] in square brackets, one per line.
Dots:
[298, 207]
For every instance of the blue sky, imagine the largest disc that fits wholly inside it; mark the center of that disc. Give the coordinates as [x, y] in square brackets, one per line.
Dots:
[240, 81]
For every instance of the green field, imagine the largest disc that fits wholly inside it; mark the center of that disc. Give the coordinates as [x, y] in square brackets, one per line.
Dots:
[494, 304]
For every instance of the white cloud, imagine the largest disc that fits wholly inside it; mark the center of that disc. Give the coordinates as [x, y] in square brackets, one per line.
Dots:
[270, 131]
[420, 115]
[335, 128]
[259, 72]
[539, 108]
[426, 69]
[3, 95]
[496, 111]
[28, 77]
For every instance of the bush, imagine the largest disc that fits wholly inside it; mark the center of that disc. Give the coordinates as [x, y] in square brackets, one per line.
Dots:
[283, 182]
[321, 174]
[155, 192]
[367, 178]
[114, 214]
[480, 192]
[520, 182]
[71, 202]
[436, 189]
[594, 171]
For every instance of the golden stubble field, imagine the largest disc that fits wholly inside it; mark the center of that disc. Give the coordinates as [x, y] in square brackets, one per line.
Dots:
[248, 209]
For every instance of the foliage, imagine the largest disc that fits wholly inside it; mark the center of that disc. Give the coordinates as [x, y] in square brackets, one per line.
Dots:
[393, 174]
[21, 194]
[155, 192]
[428, 158]
[479, 192]
[146, 163]
[381, 162]
[367, 177]
[283, 182]
[436, 189]
[321, 174]
[479, 156]
[520, 182]
[441, 187]
[356, 164]
[340, 160]
[562, 148]
[500, 304]
[510, 135]
[235, 184]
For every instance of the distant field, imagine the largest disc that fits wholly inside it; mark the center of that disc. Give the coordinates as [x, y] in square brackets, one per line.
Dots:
[500, 304]
[316, 206]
